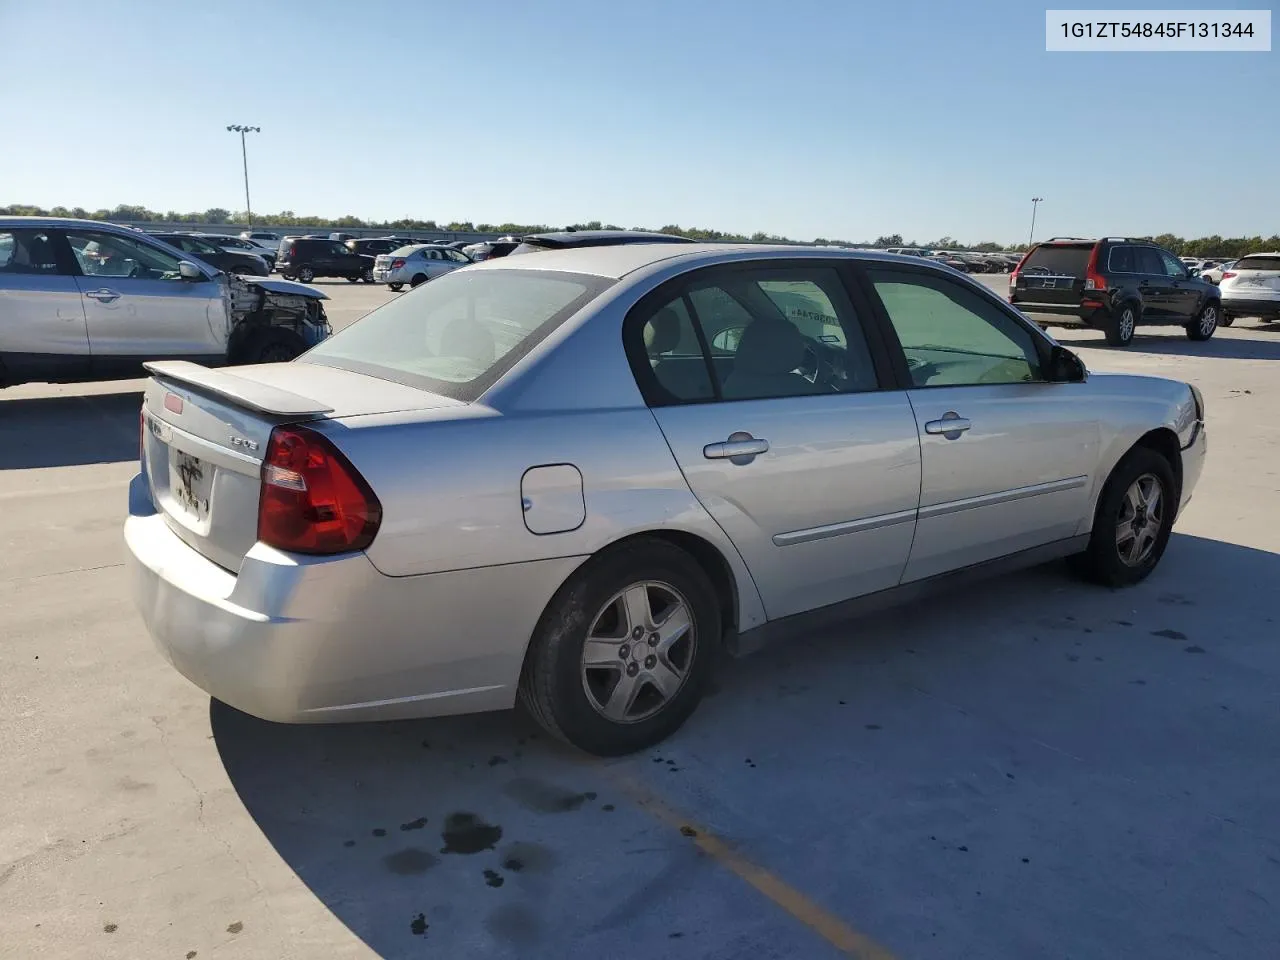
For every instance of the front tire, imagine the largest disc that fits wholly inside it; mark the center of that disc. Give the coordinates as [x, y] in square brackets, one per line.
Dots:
[1133, 521]
[418, 280]
[1121, 325]
[1205, 323]
[353, 279]
[273, 345]
[367, 275]
[622, 654]
[396, 287]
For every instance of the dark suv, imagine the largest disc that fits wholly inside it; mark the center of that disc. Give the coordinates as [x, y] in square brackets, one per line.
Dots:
[305, 258]
[1113, 285]
[373, 246]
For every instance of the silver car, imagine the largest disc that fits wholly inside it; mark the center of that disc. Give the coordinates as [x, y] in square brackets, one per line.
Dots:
[416, 264]
[575, 478]
[84, 300]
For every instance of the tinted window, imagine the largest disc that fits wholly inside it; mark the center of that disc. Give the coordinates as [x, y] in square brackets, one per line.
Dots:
[1121, 260]
[458, 334]
[954, 336]
[1257, 263]
[772, 333]
[673, 352]
[27, 251]
[1059, 259]
[1147, 260]
[102, 254]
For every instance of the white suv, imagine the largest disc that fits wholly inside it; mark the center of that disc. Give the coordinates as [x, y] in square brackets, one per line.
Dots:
[1251, 288]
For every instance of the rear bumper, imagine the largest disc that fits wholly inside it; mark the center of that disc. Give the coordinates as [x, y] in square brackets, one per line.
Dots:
[1062, 314]
[1250, 306]
[387, 275]
[313, 639]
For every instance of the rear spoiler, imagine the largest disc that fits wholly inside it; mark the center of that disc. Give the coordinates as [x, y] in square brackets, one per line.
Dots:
[246, 393]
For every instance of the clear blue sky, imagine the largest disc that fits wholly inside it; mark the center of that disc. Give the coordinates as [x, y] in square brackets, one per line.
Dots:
[802, 117]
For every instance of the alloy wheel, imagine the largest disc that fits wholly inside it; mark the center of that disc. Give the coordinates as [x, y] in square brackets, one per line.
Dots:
[1127, 323]
[638, 652]
[1208, 320]
[1141, 518]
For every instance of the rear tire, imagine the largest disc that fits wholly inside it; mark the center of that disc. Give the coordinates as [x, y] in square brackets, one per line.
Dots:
[570, 681]
[418, 280]
[1205, 323]
[1117, 557]
[353, 279]
[1121, 324]
[306, 274]
[1225, 319]
[396, 287]
[273, 345]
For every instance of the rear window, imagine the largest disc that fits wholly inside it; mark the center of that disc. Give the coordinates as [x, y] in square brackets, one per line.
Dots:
[1257, 263]
[459, 333]
[1059, 259]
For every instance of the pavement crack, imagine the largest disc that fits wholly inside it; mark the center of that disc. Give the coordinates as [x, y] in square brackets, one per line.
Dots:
[200, 821]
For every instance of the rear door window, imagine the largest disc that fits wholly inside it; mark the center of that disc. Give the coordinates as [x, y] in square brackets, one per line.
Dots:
[27, 252]
[1148, 261]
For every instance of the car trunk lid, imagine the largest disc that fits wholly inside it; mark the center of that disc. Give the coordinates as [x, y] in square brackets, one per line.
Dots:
[205, 433]
[1052, 273]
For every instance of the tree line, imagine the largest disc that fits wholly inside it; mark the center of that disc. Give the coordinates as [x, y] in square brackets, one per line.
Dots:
[1214, 246]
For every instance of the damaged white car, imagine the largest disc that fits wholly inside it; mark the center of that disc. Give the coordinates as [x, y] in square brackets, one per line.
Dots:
[84, 300]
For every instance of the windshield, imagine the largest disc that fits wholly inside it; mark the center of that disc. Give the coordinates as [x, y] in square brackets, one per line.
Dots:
[459, 333]
[1059, 259]
[1258, 263]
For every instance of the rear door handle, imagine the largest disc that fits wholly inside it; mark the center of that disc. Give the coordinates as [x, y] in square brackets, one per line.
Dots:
[102, 295]
[741, 447]
[950, 426]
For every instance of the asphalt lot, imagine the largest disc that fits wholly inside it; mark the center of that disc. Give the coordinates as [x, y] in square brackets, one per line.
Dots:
[1028, 768]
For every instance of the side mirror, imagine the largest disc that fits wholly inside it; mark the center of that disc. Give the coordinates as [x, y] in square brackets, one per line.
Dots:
[189, 271]
[1065, 366]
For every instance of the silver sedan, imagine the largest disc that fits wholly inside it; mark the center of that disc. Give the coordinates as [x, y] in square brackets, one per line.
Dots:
[574, 479]
[416, 264]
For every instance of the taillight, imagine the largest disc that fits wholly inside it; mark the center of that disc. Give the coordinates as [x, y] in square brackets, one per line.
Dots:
[1013, 274]
[397, 263]
[1227, 275]
[1092, 279]
[313, 500]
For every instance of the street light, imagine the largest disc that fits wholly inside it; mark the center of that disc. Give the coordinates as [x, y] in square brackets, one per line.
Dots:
[1034, 202]
[244, 155]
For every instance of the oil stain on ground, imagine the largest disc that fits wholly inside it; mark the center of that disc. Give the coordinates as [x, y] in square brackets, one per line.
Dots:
[541, 797]
[414, 824]
[410, 861]
[1169, 634]
[493, 878]
[527, 858]
[467, 833]
[418, 926]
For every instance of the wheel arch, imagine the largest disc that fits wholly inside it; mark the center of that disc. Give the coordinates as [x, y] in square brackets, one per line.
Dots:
[1163, 441]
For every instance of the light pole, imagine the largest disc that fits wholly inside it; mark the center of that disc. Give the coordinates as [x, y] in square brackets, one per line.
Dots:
[244, 155]
[1034, 202]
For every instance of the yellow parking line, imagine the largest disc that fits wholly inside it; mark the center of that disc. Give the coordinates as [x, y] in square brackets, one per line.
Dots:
[826, 925]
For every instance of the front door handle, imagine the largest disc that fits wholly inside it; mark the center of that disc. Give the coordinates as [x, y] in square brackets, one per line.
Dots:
[950, 426]
[102, 295]
[740, 448]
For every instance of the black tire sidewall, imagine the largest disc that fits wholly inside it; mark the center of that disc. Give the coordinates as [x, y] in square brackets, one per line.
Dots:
[273, 340]
[306, 274]
[1105, 564]
[395, 287]
[562, 631]
[418, 281]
